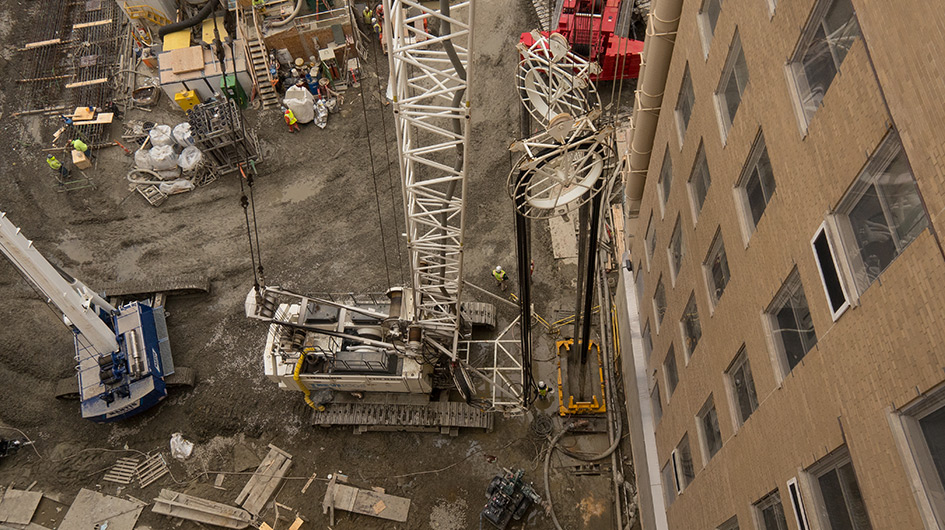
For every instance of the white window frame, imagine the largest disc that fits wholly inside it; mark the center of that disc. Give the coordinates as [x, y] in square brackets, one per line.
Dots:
[693, 202]
[775, 346]
[730, 524]
[740, 359]
[721, 112]
[687, 353]
[656, 310]
[797, 504]
[646, 242]
[677, 465]
[700, 424]
[669, 486]
[705, 29]
[670, 392]
[927, 487]
[658, 405]
[765, 500]
[847, 301]
[664, 194]
[673, 269]
[718, 244]
[758, 147]
[647, 333]
[831, 462]
[681, 128]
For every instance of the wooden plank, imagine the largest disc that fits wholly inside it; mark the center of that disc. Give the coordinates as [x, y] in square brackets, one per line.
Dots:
[82, 113]
[263, 468]
[183, 60]
[18, 506]
[103, 117]
[196, 509]
[368, 502]
[41, 43]
[258, 500]
[92, 24]
[88, 83]
[91, 508]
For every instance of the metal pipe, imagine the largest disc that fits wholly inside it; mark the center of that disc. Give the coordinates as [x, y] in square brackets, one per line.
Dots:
[654, 68]
[190, 22]
[589, 277]
[290, 18]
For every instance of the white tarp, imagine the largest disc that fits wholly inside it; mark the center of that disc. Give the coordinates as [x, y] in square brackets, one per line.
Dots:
[300, 102]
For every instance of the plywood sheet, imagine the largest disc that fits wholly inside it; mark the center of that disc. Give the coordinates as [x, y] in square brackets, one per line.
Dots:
[563, 238]
[90, 508]
[183, 60]
[18, 506]
[207, 34]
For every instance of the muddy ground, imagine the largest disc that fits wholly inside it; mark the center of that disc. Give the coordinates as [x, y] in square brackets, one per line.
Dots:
[319, 232]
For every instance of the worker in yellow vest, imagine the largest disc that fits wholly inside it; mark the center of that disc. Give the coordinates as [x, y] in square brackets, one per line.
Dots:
[82, 147]
[56, 165]
[290, 119]
[260, 5]
[368, 15]
[500, 277]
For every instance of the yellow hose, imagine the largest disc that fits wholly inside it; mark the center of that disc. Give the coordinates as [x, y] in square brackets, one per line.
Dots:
[303, 388]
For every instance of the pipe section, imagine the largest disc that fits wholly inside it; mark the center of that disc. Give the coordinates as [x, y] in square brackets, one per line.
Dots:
[190, 22]
[291, 17]
[657, 54]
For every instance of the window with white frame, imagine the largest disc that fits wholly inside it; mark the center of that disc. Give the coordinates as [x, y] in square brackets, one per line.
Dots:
[666, 178]
[742, 387]
[708, 420]
[728, 96]
[684, 104]
[669, 482]
[670, 374]
[769, 512]
[826, 259]
[708, 19]
[650, 239]
[792, 329]
[676, 250]
[772, 5]
[699, 183]
[832, 31]
[881, 214]
[690, 327]
[657, 405]
[682, 465]
[640, 286]
[839, 504]
[647, 340]
[755, 186]
[731, 524]
[921, 430]
[797, 504]
[715, 268]
[659, 303]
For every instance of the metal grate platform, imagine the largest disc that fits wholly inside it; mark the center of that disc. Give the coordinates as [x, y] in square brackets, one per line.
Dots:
[436, 416]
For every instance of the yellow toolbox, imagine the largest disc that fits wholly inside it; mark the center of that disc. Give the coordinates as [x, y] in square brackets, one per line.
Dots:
[187, 99]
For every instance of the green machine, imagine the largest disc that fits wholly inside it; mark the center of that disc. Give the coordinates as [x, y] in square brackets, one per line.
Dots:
[232, 89]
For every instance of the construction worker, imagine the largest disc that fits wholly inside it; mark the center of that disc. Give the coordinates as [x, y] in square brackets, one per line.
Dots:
[368, 15]
[290, 119]
[260, 5]
[542, 390]
[500, 277]
[82, 147]
[376, 24]
[57, 166]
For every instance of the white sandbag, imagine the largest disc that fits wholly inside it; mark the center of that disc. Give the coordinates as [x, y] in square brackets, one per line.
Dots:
[161, 135]
[299, 101]
[163, 157]
[182, 134]
[321, 114]
[143, 159]
[176, 186]
[189, 158]
[169, 174]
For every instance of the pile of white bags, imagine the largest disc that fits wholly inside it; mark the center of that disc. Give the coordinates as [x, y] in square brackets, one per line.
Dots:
[182, 135]
[161, 135]
[300, 101]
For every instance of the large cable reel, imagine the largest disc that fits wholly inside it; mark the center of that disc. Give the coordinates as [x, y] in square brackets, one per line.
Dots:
[552, 80]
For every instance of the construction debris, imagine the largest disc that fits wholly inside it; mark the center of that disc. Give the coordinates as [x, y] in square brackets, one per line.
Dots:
[196, 509]
[18, 506]
[153, 468]
[265, 480]
[365, 502]
[123, 472]
[91, 508]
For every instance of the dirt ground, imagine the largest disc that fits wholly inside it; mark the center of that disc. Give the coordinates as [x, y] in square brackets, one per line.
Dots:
[319, 232]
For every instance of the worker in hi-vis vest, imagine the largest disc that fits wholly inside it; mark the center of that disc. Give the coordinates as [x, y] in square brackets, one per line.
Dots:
[290, 119]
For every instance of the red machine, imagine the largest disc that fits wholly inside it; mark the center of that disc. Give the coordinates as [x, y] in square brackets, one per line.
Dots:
[589, 26]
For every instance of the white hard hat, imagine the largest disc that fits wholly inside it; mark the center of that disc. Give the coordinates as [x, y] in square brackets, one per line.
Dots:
[541, 384]
[498, 268]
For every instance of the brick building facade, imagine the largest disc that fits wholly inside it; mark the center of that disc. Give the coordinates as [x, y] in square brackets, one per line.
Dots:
[788, 282]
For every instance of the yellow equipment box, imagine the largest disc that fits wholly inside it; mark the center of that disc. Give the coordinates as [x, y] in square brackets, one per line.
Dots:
[187, 99]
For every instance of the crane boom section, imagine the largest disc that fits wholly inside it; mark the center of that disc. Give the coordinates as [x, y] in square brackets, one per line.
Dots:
[429, 75]
[78, 308]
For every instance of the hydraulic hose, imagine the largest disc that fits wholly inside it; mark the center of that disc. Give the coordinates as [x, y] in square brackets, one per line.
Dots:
[303, 388]
[551, 506]
[190, 22]
[291, 17]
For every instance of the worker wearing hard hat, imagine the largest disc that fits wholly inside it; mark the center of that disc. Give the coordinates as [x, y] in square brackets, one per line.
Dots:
[290, 119]
[56, 165]
[81, 147]
[500, 277]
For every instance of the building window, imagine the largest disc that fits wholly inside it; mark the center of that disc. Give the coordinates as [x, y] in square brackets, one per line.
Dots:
[647, 340]
[742, 387]
[824, 44]
[770, 513]
[659, 303]
[690, 327]
[755, 186]
[676, 250]
[716, 270]
[641, 287]
[666, 178]
[684, 104]
[699, 183]
[826, 260]
[650, 238]
[669, 482]
[708, 19]
[922, 430]
[837, 494]
[881, 214]
[732, 85]
[682, 465]
[657, 405]
[792, 328]
[670, 373]
[772, 5]
[708, 420]
[731, 524]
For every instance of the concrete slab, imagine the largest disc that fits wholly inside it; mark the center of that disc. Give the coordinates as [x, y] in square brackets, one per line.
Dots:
[18, 506]
[563, 239]
[91, 508]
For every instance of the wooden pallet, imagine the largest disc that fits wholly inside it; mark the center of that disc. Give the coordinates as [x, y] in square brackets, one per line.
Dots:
[153, 468]
[265, 480]
[152, 194]
[123, 472]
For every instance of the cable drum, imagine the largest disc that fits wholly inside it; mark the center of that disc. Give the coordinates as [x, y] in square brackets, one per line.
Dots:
[552, 80]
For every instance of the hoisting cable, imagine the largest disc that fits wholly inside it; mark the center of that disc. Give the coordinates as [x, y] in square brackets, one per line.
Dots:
[377, 199]
[244, 202]
[252, 204]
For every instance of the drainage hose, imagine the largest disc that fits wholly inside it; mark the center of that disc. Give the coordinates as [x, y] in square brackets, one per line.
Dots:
[290, 18]
[190, 22]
